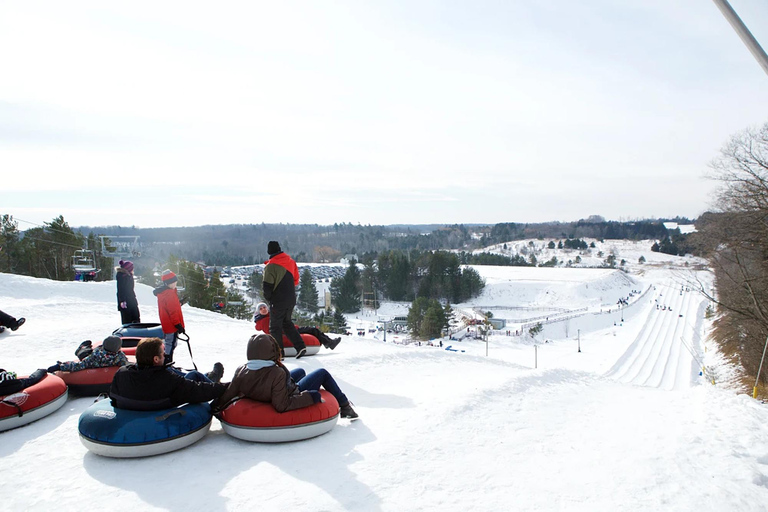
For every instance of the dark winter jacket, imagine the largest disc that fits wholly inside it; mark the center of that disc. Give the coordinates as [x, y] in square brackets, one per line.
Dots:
[10, 383]
[99, 358]
[281, 276]
[151, 388]
[272, 384]
[169, 308]
[125, 291]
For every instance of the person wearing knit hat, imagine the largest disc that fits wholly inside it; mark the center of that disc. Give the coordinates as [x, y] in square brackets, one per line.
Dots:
[262, 324]
[279, 281]
[127, 303]
[265, 378]
[107, 354]
[169, 308]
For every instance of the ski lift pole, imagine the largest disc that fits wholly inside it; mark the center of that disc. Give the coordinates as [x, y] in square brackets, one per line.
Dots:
[754, 390]
[189, 346]
[743, 32]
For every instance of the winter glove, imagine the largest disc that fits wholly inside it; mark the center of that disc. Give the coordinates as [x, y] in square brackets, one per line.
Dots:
[179, 329]
[316, 397]
[54, 368]
[183, 300]
[123, 305]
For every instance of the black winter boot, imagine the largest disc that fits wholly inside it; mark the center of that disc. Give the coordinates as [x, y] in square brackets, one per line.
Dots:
[348, 412]
[19, 323]
[217, 373]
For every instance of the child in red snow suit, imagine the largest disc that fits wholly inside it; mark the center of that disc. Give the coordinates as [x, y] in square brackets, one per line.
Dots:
[169, 308]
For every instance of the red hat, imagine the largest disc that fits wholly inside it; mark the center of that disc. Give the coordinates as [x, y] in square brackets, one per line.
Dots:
[169, 277]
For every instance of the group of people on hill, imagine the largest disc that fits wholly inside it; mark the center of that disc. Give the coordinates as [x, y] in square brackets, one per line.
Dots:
[153, 383]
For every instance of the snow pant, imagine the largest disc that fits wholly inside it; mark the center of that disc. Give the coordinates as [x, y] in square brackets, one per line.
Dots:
[279, 322]
[317, 333]
[7, 320]
[169, 343]
[130, 315]
[317, 378]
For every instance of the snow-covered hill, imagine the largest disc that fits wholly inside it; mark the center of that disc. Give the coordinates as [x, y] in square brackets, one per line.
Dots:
[626, 424]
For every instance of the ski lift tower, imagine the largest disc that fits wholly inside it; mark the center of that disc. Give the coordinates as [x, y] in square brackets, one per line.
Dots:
[122, 246]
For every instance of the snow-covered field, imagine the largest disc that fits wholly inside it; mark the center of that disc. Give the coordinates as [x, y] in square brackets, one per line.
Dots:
[628, 423]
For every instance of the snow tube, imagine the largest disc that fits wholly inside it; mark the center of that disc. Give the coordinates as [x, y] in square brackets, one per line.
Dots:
[89, 382]
[136, 332]
[32, 403]
[130, 350]
[258, 421]
[121, 433]
[312, 343]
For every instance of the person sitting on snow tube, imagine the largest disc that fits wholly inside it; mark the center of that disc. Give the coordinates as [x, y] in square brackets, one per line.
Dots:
[10, 383]
[106, 355]
[150, 384]
[262, 324]
[265, 379]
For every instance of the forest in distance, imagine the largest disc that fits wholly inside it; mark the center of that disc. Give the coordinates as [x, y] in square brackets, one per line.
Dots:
[245, 244]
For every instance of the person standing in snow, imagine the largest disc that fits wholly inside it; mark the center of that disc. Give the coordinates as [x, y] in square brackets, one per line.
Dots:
[281, 276]
[126, 297]
[262, 324]
[169, 308]
[265, 379]
[10, 322]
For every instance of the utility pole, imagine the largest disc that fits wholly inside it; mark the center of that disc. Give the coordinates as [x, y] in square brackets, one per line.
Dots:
[746, 36]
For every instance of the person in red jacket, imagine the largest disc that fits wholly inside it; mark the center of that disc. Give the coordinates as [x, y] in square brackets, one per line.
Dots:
[169, 308]
[262, 324]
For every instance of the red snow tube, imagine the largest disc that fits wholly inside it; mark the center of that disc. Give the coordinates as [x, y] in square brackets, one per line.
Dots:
[32, 403]
[312, 343]
[89, 382]
[258, 421]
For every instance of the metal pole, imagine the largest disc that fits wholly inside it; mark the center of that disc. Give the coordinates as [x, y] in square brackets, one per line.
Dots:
[754, 390]
[578, 338]
[746, 36]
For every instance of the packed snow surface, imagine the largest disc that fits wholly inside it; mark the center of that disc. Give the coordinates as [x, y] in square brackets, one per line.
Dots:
[632, 422]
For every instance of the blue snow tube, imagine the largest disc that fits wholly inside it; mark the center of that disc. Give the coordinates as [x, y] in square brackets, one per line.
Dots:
[150, 330]
[112, 432]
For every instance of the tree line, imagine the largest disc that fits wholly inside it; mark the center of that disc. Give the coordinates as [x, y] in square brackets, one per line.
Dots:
[735, 239]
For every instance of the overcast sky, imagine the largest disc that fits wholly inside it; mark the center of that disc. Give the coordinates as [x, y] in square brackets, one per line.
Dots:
[189, 113]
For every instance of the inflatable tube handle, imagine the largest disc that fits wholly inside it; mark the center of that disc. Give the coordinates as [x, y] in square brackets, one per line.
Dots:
[14, 404]
[170, 413]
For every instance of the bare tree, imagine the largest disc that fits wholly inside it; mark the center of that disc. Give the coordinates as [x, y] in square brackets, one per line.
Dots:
[735, 238]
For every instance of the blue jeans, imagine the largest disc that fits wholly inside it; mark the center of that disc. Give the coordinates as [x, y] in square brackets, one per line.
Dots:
[317, 378]
[194, 375]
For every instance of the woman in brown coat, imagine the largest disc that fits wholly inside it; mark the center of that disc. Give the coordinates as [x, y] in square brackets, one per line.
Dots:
[264, 378]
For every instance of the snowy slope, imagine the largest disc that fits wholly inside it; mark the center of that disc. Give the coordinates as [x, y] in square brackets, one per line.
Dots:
[607, 428]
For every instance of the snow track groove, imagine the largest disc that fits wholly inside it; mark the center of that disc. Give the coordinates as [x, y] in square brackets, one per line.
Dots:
[659, 356]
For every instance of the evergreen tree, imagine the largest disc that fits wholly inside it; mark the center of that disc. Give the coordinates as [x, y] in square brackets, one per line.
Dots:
[307, 299]
[339, 321]
[255, 285]
[426, 318]
[345, 292]
[9, 239]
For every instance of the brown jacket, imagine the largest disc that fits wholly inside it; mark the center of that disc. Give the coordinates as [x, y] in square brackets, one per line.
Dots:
[272, 384]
